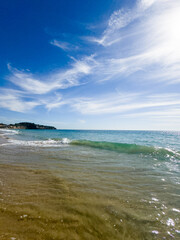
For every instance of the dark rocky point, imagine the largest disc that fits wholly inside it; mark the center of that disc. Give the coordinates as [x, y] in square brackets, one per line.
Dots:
[25, 125]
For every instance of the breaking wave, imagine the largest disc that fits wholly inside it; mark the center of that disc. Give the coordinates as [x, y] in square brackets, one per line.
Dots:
[128, 148]
[43, 143]
[6, 132]
[111, 146]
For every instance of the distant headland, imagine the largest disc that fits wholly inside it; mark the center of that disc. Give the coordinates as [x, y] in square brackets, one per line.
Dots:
[25, 125]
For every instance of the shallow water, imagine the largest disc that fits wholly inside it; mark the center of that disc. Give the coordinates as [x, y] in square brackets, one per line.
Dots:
[84, 192]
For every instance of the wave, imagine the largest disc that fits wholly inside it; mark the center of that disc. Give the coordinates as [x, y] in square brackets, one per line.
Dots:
[127, 148]
[43, 143]
[5, 132]
[111, 146]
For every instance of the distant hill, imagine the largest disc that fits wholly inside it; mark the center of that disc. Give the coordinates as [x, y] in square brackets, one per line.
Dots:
[25, 125]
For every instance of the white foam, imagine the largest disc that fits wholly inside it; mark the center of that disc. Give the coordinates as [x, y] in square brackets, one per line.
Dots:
[173, 151]
[65, 141]
[176, 210]
[155, 199]
[5, 132]
[170, 222]
[44, 143]
[170, 234]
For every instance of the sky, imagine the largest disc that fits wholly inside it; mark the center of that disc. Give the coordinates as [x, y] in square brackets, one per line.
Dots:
[91, 64]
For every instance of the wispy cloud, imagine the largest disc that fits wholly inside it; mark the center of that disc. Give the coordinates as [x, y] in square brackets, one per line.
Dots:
[167, 112]
[53, 102]
[62, 79]
[120, 19]
[124, 103]
[143, 39]
[14, 101]
[64, 45]
[41, 90]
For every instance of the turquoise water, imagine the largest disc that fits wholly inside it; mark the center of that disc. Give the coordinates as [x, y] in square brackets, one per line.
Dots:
[135, 174]
[165, 139]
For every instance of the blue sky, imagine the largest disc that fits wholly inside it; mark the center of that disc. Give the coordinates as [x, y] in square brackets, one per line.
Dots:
[91, 64]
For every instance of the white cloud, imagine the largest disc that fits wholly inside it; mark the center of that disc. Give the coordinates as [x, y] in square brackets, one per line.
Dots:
[120, 19]
[63, 45]
[12, 100]
[167, 113]
[62, 79]
[124, 103]
[143, 39]
[40, 89]
[53, 105]
[53, 102]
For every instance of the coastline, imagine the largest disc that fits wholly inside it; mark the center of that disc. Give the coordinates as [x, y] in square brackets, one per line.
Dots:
[25, 125]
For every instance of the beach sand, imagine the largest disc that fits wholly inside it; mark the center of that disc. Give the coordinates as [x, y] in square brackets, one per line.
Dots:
[34, 204]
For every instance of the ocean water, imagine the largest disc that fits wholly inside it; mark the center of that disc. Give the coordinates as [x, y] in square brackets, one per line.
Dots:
[84, 184]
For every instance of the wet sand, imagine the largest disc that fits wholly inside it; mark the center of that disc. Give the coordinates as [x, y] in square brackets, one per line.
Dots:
[34, 204]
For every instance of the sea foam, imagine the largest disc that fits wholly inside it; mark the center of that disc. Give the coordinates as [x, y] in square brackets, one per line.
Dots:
[43, 143]
[4, 132]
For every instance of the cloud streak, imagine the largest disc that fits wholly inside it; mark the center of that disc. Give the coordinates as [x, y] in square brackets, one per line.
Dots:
[124, 103]
[64, 45]
[62, 79]
[13, 100]
[120, 19]
[143, 39]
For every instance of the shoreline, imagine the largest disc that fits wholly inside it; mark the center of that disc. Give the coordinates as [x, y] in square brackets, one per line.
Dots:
[3, 139]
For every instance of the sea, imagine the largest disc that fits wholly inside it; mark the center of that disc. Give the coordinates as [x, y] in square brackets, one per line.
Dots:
[89, 184]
